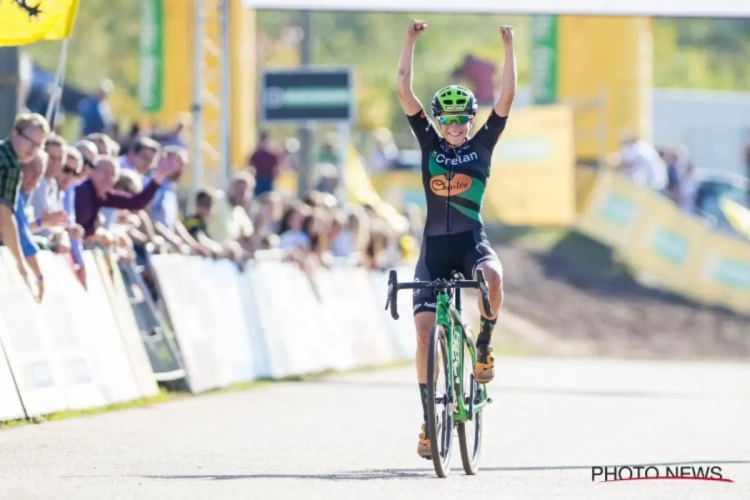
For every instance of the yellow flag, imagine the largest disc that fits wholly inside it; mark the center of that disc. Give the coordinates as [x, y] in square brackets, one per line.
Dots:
[28, 21]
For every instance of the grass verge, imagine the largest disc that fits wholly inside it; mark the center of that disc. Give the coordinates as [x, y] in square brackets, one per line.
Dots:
[170, 396]
[165, 395]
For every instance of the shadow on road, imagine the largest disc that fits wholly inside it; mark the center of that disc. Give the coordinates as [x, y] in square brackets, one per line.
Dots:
[366, 475]
[386, 474]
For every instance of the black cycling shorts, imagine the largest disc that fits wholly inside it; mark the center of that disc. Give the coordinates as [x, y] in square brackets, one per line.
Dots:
[442, 254]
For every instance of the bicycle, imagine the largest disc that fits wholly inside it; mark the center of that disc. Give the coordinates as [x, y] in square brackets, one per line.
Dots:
[450, 331]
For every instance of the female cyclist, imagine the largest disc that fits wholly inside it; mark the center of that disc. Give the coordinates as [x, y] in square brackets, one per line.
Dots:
[455, 169]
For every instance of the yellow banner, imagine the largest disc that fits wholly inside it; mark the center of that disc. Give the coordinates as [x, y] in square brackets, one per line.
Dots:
[532, 180]
[675, 250]
[27, 21]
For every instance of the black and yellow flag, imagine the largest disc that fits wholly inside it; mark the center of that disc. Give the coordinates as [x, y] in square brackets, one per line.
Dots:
[27, 21]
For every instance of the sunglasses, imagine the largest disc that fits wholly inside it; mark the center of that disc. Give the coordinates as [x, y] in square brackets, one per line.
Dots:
[451, 119]
[71, 171]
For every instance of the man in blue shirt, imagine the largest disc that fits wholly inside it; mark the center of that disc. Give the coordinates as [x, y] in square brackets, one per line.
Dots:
[31, 173]
[95, 113]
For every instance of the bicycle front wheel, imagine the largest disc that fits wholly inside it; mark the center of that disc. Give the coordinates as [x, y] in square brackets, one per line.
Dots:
[439, 404]
[470, 432]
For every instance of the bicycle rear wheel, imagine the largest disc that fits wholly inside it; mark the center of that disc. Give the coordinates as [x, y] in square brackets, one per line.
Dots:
[470, 432]
[439, 404]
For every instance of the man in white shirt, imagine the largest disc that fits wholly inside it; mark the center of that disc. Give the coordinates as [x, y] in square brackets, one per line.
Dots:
[641, 163]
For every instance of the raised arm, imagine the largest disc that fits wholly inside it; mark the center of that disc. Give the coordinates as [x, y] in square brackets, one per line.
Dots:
[406, 96]
[510, 78]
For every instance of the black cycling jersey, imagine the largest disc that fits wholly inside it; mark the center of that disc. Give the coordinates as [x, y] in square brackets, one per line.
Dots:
[455, 178]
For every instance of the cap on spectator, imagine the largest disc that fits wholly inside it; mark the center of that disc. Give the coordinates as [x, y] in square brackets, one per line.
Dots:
[106, 86]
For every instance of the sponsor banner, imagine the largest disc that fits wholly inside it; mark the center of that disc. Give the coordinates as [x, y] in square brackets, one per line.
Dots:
[674, 250]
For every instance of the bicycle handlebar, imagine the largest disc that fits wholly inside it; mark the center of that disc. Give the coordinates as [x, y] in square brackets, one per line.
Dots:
[394, 286]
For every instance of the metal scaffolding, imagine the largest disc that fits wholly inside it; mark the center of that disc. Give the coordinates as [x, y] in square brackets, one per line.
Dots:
[211, 85]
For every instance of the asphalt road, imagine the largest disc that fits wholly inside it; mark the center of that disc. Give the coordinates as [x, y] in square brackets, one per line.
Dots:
[354, 437]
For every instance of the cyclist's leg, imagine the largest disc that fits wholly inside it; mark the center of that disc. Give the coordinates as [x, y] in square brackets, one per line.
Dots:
[483, 257]
[424, 318]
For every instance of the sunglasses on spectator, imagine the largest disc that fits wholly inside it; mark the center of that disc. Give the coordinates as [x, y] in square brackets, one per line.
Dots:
[22, 133]
[450, 119]
[71, 171]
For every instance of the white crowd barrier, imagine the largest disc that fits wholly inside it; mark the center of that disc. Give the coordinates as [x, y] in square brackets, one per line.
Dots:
[84, 348]
[274, 321]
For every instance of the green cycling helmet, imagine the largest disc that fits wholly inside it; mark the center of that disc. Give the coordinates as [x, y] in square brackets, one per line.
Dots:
[454, 99]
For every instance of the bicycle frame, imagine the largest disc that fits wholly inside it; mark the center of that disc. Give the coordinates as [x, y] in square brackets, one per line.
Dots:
[449, 317]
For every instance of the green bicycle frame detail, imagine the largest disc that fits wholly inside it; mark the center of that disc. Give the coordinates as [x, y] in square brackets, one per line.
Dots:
[449, 318]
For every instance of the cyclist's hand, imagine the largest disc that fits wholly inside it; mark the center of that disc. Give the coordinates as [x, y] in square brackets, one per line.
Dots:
[507, 34]
[416, 28]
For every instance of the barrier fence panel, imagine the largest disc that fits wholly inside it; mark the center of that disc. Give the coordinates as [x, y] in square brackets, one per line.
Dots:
[290, 317]
[225, 308]
[111, 279]
[84, 348]
[163, 355]
[258, 342]
[401, 332]
[184, 294]
[349, 307]
[97, 320]
[52, 366]
[10, 401]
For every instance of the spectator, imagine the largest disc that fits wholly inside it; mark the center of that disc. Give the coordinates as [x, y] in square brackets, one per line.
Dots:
[688, 190]
[95, 113]
[47, 199]
[328, 151]
[269, 211]
[26, 138]
[327, 178]
[641, 164]
[97, 191]
[266, 161]
[100, 141]
[480, 75]
[376, 256]
[32, 173]
[66, 179]
[165, 206]
[671, 160]
[341, 237]
[291, 229]
[196, 225]
[141, 155]
[385, 154]
[89, 153]
[232, 222]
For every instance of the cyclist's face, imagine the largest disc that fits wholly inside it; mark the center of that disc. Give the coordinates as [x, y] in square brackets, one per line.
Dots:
[455, 127]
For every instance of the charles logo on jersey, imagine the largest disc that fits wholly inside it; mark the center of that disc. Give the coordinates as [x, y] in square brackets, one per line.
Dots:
[442, 185]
